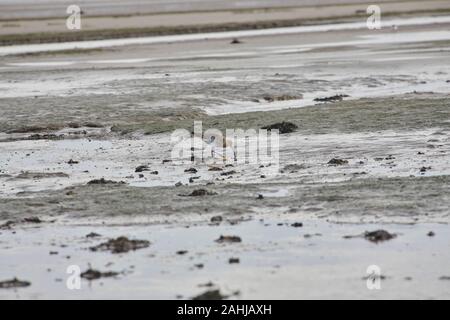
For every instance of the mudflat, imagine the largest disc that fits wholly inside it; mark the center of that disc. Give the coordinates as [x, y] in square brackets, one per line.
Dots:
[88, 181]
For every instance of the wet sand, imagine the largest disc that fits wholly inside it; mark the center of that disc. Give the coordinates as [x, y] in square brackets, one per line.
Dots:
[116, 22]
[74, 116]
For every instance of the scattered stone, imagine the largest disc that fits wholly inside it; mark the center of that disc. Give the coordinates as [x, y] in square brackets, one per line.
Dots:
[93, 235]
[92, 274]
[166, 161]
[7, 225]
[182, 252]
[236, 41]
[228, 173]
[142, 168]
[260, 197]
[233, 261]
[154, 173]
[102, 181]
[32, 220]
[199, 265]
[297, 225]
[229, 239]
[378, 236]
[199, 193]
[262, 176]
[431, 234]
[14, 283]
[191, 170]
[282, 98]
[282, 127]
[121, 245]
[424, 169]
[337, 162]
[335, 98]
[72, 162]
[215, 169]
[178, 184]
[307, 236]
[210, 295]
[216, 219]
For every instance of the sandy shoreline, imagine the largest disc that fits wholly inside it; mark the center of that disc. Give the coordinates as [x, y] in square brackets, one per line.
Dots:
[104, 27]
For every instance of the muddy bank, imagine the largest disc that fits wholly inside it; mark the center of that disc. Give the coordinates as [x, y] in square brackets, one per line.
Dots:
[366, 115]
[403, 200]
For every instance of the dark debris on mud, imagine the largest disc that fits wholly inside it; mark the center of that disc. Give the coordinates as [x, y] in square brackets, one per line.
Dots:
[337, 162]
[199, 193]
[335, 98]
[282, 127]
[121, 245]
[375, 236]
[378, 236]
[284, 97]
[103, 181]
[92, 274]
[14, 283]
[210, 295]
[229, 239]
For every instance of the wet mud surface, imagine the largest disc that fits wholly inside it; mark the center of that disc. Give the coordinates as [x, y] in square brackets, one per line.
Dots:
[362, 178]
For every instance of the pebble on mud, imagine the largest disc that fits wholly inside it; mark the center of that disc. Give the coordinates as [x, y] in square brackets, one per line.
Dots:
[337, 162]
[121, 245]
[102, 181]
[92, 274]
[282, 98]
[228, 173]
[297, 225]
[424, 169]
[191, 170]
[431, 234]
[282, 127]
[71, 162]
[235, 41]
[199, 193]
[142, 168]
[210, 295]
[32, 220]
[233, 260]
[93, 235]
[335, 98]
[229, 239]
[379, 236]
[14, 283]
[7, 225]
[216, 219]
[215, 169]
